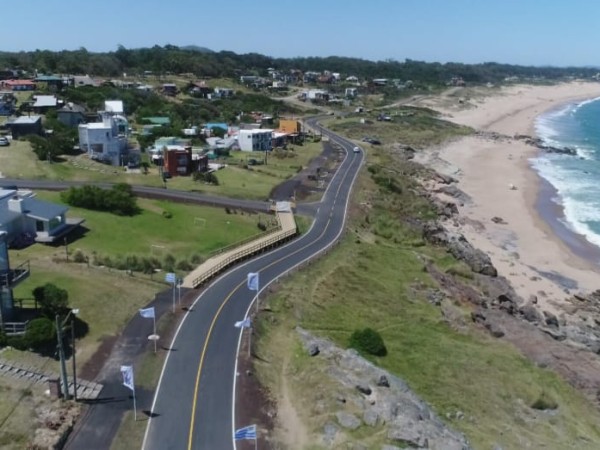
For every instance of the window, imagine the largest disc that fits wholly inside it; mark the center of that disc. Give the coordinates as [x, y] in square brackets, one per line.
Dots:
[39, 225]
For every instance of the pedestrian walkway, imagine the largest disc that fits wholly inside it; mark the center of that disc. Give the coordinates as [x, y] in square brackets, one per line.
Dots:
[286, 230]
[86, 390]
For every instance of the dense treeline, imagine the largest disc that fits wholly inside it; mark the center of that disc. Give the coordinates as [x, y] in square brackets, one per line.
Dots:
[172, 59]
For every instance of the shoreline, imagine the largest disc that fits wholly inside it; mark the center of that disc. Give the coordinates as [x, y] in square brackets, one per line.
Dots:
[534, 248]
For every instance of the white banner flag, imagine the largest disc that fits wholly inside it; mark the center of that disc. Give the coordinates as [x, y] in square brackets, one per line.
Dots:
[127, 372]
[253, 281]
[246, 323]
[147, 313]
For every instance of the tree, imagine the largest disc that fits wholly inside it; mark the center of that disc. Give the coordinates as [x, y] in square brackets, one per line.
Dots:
[51, 299]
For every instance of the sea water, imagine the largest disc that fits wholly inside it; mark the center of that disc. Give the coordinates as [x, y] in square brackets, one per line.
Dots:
[576, 178]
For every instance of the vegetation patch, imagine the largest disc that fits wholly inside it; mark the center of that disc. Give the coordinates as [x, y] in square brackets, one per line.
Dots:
[118, 200]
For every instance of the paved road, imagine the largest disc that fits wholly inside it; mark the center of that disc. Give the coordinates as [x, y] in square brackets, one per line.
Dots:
[193, 407]
[154, 192]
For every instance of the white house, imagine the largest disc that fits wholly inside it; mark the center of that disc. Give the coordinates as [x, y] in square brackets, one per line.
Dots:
[107, 140]
[21, 213]
[317, 94]
[255, 140]
[114, 106]
[351, 92]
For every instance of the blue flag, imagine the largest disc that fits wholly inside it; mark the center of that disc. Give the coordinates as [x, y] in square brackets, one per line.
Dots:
[253, 281]
[248, 432]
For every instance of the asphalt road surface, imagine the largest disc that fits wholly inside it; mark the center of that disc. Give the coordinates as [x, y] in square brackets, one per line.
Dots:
[194, 402]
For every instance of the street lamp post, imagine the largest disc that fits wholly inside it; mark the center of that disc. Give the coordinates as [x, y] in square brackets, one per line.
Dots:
[74, 365]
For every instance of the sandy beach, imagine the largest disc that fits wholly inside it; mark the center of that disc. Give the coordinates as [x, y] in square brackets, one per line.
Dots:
[532, 249]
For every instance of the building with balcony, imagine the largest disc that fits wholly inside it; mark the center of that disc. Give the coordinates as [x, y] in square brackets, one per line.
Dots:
[9, 278]
[255, 140]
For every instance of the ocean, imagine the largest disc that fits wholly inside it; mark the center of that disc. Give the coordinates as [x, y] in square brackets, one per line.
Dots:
[575, 179]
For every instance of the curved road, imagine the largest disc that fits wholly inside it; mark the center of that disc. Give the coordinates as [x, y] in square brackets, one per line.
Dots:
[194, 402]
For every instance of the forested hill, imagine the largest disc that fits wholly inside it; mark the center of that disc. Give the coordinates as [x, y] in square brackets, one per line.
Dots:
[205, 63]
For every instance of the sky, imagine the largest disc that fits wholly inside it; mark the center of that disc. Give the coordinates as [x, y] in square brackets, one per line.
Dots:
[526, 32]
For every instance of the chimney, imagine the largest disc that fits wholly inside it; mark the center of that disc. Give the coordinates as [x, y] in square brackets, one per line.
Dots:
[15, 204]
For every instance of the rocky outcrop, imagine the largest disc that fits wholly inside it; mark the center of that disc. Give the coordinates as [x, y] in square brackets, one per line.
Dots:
[460, 248]
[539, 143]
[373, 397]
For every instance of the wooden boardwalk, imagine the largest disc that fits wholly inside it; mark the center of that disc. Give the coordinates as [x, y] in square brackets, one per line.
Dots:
[216, 264]
[86, 390]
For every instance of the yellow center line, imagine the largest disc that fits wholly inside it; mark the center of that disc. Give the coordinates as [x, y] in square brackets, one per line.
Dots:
[218, 313]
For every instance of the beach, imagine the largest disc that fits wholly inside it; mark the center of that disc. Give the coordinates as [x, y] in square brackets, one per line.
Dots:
[530, 246]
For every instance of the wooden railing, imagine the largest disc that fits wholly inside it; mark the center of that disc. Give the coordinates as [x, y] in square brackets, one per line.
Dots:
[13, 276]
[275, 237]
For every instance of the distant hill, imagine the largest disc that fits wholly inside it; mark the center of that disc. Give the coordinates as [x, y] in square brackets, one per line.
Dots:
[197, 48]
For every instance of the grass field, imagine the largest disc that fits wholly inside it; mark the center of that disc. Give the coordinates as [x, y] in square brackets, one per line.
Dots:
[19, 161]
[417, 127]
[375, 278]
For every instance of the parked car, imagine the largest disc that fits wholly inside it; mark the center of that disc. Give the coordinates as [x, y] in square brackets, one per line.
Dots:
[356, 150]
[4, 142]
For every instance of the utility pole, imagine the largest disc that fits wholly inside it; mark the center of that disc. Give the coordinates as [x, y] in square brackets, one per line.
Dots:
[74, 365]
[61, 355]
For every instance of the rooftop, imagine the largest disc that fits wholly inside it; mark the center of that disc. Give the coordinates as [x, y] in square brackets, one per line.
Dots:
[25, 120]
[42, 101]
[39, 209]
[114, 106]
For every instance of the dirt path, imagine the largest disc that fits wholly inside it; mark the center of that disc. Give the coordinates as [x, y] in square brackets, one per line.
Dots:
[293, 431]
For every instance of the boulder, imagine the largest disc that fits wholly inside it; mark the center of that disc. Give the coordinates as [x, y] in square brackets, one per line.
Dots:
[313, 350]
[551, 319]
[347, 420]
[371, 418]
[330, 431]
[364, 389]
[530, 313]
[495, 329]
[383, 381]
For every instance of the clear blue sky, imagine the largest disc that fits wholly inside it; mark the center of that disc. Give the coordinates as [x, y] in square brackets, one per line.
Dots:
[556, 32]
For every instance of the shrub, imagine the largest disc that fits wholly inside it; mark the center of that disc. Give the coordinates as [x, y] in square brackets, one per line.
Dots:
[261, 226]
[167, 214]
[39, 334]
[543, 402]
[368, 341]
[184, 265]
[79, 256]
[117, 200]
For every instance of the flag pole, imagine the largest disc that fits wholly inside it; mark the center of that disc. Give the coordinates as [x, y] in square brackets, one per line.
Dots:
[173, 296]
[249, 341]
[134, 406]
[154, 322]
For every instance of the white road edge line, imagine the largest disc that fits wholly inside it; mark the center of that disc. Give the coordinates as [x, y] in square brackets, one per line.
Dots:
[144, 442]
[276, 279]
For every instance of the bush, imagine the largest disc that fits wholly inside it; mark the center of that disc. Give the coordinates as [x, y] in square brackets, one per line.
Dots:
[368, 341]
[118, 200]
[79, 256]
[167, 214]
[544, 403]
[39, 334]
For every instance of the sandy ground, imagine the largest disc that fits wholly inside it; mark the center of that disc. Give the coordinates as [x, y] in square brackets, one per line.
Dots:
[524, 249]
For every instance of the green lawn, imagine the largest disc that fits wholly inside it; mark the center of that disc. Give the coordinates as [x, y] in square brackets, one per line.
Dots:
[371, 285]
[109, 298]
[19, 161]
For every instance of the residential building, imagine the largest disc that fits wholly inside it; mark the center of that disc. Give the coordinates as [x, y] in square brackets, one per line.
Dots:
[162, 121]
[380, 81]
[51, 82]
[290, 126]
[210, 127]
[220, 92]
[169, 89]
[255, 140]
[200, 89]
[9, 278]
[24, 125]
[114, 107]
[82, 80]
[351, 92]
[42, 103]
[7, 103]
[72, 115]
[23, 214]
[177, 160]
[105, 141]
[167, 141]
[317, 95]
[18, 85]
